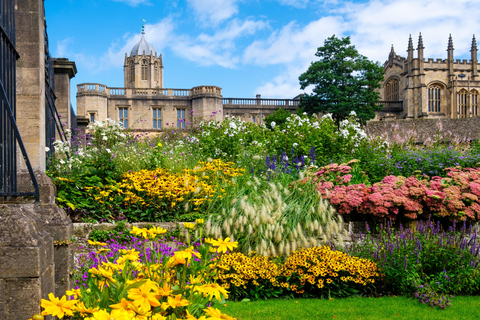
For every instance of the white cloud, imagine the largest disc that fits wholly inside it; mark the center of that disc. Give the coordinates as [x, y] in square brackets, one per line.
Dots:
[376, 25]
[373, 26]
[61, 49]
[219, 48]
[294, 3]
[285, 85]
[293, 44]
[158, 35]
[133, 3]
[213, 11]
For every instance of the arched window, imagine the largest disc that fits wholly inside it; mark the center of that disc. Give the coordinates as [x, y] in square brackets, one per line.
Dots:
[155, 71]
[132, 72]
[474, 95]
[463, 103]
[392, 90]
[434, 98]
[144, 70]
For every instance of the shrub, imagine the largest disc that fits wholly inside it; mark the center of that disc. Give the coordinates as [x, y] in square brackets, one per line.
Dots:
[273, 218]
[412, 258]
[325, 273]
[454, 197]
[249, 276]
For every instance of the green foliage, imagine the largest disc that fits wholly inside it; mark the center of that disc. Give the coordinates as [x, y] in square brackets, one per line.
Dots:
[421, 256]
[279, 119]
[343, 81]
[119, 232]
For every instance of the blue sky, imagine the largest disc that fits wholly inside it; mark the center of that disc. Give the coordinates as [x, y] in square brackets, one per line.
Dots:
[247, 47]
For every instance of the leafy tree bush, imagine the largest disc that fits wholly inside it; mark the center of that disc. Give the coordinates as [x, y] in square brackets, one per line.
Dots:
[343, 81]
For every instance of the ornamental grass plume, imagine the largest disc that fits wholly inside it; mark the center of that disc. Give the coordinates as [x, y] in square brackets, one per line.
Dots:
[274, 219]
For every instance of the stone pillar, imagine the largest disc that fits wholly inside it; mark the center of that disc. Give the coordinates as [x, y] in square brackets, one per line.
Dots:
[64, 71]
[29, 21]
[30, 30]
[26, 262]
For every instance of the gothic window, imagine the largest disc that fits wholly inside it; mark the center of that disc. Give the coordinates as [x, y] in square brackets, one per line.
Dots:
[155, 72]
[144, 70]
[157, 118]
[475, 109]
[132, 72]
[392, 90]
[181, 118]
[123, 116]
[92, 117]
[434, 98]
[462, 103]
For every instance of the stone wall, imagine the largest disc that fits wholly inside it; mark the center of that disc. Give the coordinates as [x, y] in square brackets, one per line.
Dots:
[426, 130]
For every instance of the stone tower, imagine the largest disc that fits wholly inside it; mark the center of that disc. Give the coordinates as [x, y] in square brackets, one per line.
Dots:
[143, 68]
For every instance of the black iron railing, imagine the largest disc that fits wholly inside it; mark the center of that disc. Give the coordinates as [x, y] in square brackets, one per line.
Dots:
[9, 134]
[53, 126]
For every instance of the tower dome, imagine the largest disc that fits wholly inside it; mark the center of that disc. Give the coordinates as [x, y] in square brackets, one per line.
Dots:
[142, 46]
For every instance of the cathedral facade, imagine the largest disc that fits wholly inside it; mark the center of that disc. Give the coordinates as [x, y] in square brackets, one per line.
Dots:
[415, 87]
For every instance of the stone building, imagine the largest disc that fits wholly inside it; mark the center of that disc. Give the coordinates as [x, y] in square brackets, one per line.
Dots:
[143, 103]
[416, 87]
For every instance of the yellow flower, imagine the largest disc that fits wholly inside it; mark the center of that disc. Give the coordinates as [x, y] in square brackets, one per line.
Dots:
[143, 297]
[189, 225]
[124, 305]
[224, 245]
[84, 310]
[104, 276]
[158, 230]
[114, 315]
[58, 307]
[175, 302]
[159, 144]
[200, 221]
[212, 290]
[96, 243]
[182, 257]
[165, 290]
[140, 232]
[131, 255]
[216, 314]
[103, 250]
[74, 292]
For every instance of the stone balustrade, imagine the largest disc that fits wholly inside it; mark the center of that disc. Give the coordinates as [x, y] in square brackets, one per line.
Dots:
[92, 88]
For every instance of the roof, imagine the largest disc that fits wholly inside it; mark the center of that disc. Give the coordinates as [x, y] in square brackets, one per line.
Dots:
[142, 46]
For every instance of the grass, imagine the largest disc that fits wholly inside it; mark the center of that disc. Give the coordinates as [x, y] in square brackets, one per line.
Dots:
[465, 307]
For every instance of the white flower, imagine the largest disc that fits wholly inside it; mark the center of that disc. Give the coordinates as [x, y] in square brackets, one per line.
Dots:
[108, 150]
[273, 124]
[47, 149]
[352, 113]
[295, 144]
[104, 138]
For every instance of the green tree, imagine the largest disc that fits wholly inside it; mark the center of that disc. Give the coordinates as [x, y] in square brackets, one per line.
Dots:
[344, 81]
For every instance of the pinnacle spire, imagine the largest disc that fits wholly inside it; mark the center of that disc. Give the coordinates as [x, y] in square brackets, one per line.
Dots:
[420, 42]
[410, 43]
[392, 51]
[474, 44]
[450, 42]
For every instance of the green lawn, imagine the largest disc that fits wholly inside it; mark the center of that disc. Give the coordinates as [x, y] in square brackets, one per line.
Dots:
[467, 307]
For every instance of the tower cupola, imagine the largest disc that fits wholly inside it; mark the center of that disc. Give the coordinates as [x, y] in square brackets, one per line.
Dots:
[143, 68]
